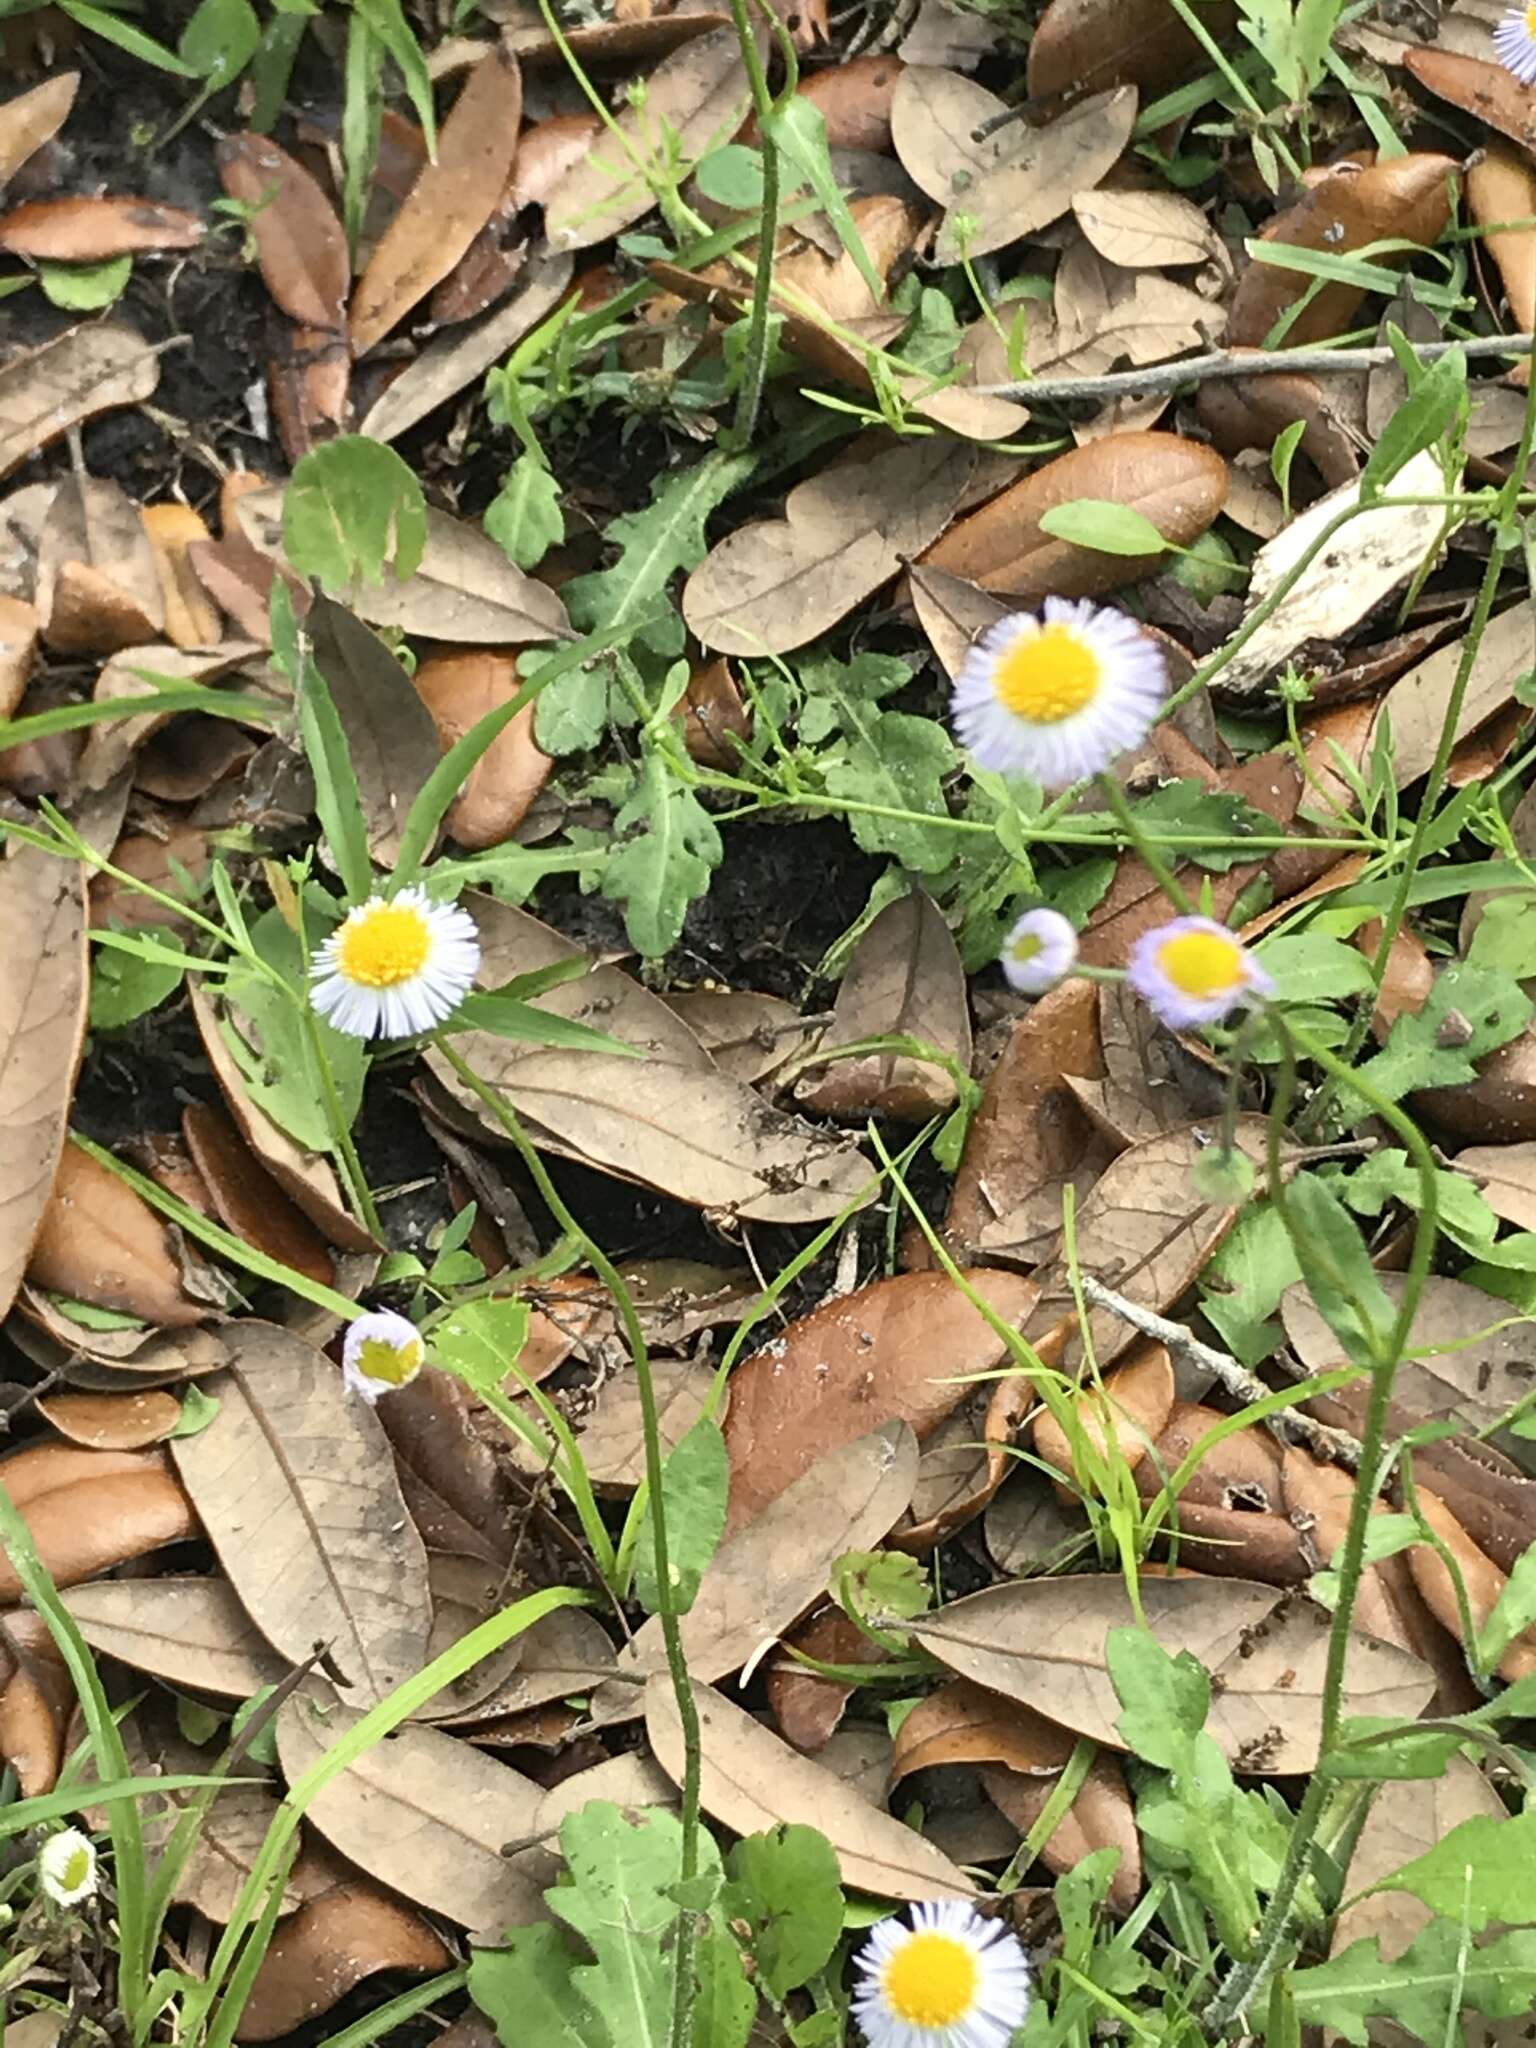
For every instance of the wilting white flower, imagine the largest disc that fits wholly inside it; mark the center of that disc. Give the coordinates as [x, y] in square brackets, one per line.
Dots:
[1514, 41]
[66, 1866]
[1193, 971]
[1040, 949]
[1058, 695]
[950, 1979]
[382, 1351]
[395, 965]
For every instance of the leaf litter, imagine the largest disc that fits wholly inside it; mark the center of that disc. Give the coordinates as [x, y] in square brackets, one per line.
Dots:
[1003, 1589]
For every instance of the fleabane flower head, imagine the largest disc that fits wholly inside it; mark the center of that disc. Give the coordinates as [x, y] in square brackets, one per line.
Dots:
[66, 1867]
[382, 1351]
[950, 1979]
[1514, 41]
[1193, 971]
[1040, 949]
[1058, 695]
[395, 966]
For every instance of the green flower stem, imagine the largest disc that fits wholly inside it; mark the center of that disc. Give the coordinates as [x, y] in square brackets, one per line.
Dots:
[1150, 855]
[1248, 1979]
[755, 367]
[688, 1716]
[341, 1131]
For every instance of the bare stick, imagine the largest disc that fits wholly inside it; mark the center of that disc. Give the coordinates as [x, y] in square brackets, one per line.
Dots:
[1335, 1445]
[1241, 362]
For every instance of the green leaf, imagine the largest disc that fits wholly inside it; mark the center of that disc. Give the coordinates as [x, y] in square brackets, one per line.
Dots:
[889, 759]
[264, 1030]
[351, 506]
[800, 130]
[1505, 939]
[726, 2004]
[1309, 967]
[1434, 406]
[1164, 1699]
[338, 804]
[1391, 1176]
[1189, 808]
[125, 985]
[732, 176]
[481, 1341]
[666, 848]
[524, 1989]
[85, 287]
[882, 1587]
[507, 1017]
[386, 19]
[197, 1411]
[1425, 1989]
[1470, 1011]
[1336, 1266]
[1513, 1611]
[524, 518]
[784, 1885]
[219, 40]
[113, 30]
[1104, 525]
[695, 1485]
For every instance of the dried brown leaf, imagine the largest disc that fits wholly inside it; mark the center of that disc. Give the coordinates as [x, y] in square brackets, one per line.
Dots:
[1134, 1406]
[808, 1705]
[1101, 1816]
[84, 371]
[695, 99]
[1019, 179]
[1506, 1177]
[111, 1422]
[32, 118]
[190, 617]
[93, 230]
[1177, 484]
[1042, 1641]
[100, 1242]
[901, 1347]
[774, 584]
[299, 241]
[91, 1510]
[247, 1200]
[390, 734]
[459, 690]
[752, 1780]
[1406, 1820]
[1144, 230]
[1085, 45]
[448, 204]
[190, 1632]
[94, 525]
[293, 1467]
[1501, 187]
[905, 979]
[330, 1945]
[1479, 87]
[963, 1723]
[421, 1811]
[1480, 1579]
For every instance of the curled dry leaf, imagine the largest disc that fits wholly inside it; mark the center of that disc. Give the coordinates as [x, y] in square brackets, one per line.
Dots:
[905, 978]
[1103, 314]
[963, 1723]
[696, 99]
[167, 862]
[189, 1632]
[191, 619]
[808, 1705]
[459, 690]
[1017, 180]
[565, 1653]
[37, 1698]
[1242, 1471]
[111, 1422]
[42, 1029]
[1479, 87]
[547, 150]
[101, 1243]
[1144, 1231]
[1085, 45]
[1042, 1641]
[1481, 1580]
[464, 587]
[1029, 1531]
[30, 119]
[247, 1200]
[113, 744]
[1134, 1406]
[390, 734]
[294, 1467]
[452, 1480]
[299, 241]
[1029, 1138]
[329, 1945]
[1251, 411]
[84, 371]
[307, 1178]
[93, 230]
[1417, 702]
[765, 1576]
[98, 586]
[420, 1811]
[91, 1510]
[18, 645]
[1177, 484]
[1100, 1817]
[752, 1781]
[1501, 186]
[1400, 199]
[449, 202]
[713, 716]
[308, 378]
[774, 584]
[904, 1346]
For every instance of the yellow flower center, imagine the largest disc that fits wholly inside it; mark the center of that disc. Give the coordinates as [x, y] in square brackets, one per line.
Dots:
[377, 1359]
[1047, 676]
[76, 1870]
[1025, 947]
[932, 1980]
[1530, 22]
[386, 945]
[1202, 963]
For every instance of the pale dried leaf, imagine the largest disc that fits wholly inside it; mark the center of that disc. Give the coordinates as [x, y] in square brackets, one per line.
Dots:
[190, 1632]
[32, 118]
[84, 371]
[1144, 230]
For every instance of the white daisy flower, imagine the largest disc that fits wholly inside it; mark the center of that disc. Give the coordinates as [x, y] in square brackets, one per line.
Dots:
[1193, 971]
[66, 1867]
[949, 1980]
[395, 966]
[382, 1351]
[1059, 695]
[1040, 949]
[1514, 42]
